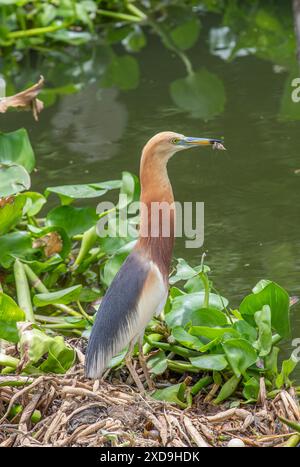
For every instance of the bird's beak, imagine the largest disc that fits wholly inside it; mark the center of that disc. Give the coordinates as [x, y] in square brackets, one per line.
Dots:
[191, 142]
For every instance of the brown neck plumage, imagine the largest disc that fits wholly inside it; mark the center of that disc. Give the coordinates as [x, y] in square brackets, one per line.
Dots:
[156, 239]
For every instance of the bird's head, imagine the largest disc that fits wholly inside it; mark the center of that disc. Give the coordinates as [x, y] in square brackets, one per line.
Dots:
[167, 143]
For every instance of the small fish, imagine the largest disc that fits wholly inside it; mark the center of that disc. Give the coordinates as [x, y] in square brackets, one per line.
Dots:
[219, 146]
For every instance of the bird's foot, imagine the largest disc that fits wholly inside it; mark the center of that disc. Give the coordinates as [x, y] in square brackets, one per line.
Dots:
[143, 364]
[134, 375]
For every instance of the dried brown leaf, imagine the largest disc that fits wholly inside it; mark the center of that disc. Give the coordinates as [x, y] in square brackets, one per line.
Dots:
[26, 99]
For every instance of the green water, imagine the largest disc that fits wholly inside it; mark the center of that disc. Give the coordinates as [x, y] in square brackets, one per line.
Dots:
[251, 192]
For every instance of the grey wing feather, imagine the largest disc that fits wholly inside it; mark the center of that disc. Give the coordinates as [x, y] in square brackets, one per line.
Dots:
[114, 324]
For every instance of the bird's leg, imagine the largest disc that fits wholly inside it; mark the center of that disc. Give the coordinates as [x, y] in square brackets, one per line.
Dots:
[131, 369]
[143, 364]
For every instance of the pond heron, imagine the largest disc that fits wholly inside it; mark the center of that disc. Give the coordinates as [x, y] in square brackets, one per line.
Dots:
[139, 290]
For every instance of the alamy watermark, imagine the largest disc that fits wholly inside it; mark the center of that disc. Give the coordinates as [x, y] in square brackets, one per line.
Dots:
[296, 91]
[155, 219]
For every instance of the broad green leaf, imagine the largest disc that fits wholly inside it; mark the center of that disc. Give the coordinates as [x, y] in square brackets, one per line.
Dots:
[60, 357]
[129, 190]
[15, 148]
[118, 359]
[212, 332]
[247, 331]
[11, 213]
[264, 341]
[187, 308]
[64, 296]
[201, 94]
[183, 272]
[89, 294]
[251, 389]
[287, 368]
[227, 389]
[113, 265]
[240, 354]
[33, 345]
[13, 179]
[194, 284]
[10, 314]
[123, 72]
[186, 339]
[210, 362]
[157, 363]
[277, 299]
[135, 40]
[15, 245]
[290, 423]
[71, 37]
[271, 362]
[185, 35]
[34, 203]
[74, 220]
[44, 266]
[68, 193]
[171, 394]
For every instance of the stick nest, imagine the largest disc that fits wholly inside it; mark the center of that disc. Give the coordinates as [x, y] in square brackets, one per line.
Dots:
[79, 412]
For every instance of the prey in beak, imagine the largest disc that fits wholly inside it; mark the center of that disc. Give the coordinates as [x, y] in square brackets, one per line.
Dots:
[192, 142]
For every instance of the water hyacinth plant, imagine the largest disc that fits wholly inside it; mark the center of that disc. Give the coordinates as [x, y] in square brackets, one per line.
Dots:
[54, 269]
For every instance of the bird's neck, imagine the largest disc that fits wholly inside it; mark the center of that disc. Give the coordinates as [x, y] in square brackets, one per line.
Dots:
[156, 238]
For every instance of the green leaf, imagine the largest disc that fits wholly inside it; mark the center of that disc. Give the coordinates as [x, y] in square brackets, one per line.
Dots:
[129, 190]
[290, 423]
[64, 296]
[201, 94]
[247, 331]
[122, 72]
[74, 220]
[157, 363]
[118, 359]
[13, 179]
[264, 341]
[10, 314]
[34, 203]
[287, 368]
[271, 362]
[68, 193]
[113, 265]
[277, 299]
[227, 389]
[15, 148]
[88, 295]
[185, 35]
[35, 344]
[44, 266]
[71, 37]
[189, 308]
[240, 354]
[251, 389]
[60, 357]
[135, 40]
[15, 245]
[212, 332]
[216, 362]
[171, 394]
[11, 213]
[183, 272]
[186, 339]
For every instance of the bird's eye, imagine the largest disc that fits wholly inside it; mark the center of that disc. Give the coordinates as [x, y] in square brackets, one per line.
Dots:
[175, 140]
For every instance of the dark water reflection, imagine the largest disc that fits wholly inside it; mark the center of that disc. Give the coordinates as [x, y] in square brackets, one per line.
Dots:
[251, 192]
